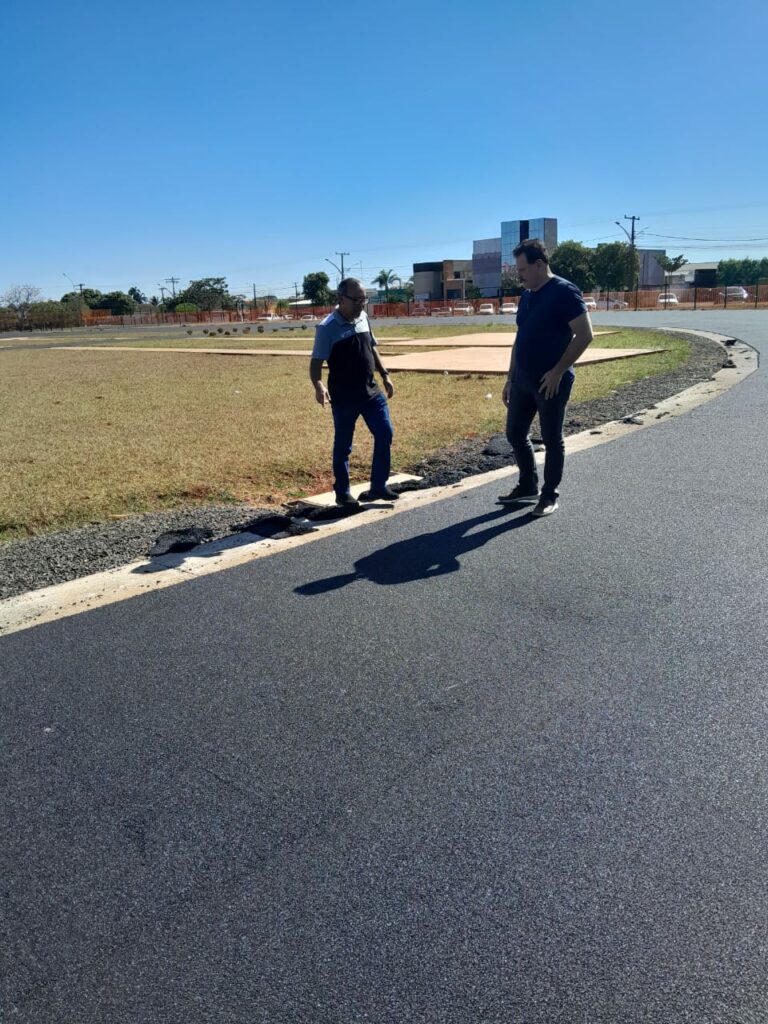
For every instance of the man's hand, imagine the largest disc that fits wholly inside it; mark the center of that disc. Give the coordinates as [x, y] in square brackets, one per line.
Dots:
[321, 393]
[389, 387]
[550, 382]
[505, 393]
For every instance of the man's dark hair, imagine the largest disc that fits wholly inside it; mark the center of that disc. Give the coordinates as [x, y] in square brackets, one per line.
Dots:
[533, 249]
[342, 289]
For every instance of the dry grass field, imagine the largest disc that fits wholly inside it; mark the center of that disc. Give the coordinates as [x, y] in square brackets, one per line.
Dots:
[87, 435]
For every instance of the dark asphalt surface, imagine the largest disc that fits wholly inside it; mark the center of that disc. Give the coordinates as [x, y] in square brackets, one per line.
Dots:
[457, 766]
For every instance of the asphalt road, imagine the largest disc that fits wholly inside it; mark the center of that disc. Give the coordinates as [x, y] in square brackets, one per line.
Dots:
[457, 766]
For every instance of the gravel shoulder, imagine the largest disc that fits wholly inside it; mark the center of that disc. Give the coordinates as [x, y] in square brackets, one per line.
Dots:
[58, 557]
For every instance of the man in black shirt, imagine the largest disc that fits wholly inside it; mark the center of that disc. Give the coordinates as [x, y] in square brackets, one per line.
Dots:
[553, 331]
[345, 341]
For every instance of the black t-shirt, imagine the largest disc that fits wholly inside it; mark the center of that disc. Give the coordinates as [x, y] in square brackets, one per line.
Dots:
[348, 350]
[543, 331]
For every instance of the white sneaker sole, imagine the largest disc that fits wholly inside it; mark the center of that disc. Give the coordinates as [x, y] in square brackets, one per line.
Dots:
[545, 511]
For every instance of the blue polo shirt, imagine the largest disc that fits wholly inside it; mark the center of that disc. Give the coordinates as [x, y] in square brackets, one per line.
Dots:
[543, 331]
[348, 350]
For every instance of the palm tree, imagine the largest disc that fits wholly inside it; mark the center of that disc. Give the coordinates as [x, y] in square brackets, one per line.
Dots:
[384, 279]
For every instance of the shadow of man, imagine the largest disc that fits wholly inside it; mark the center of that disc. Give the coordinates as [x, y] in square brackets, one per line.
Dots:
[422, 557]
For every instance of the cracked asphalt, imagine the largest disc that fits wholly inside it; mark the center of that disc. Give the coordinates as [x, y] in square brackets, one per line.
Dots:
[455, 766]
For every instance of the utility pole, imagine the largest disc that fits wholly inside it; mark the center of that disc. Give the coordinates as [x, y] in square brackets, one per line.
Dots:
[82, 299]
[172, 281]
[342, 254]
[631, 237]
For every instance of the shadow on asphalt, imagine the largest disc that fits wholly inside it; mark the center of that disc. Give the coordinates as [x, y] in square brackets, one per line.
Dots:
[425, 556]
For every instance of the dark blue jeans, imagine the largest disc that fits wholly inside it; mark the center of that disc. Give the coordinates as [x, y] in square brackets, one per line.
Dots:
[524, 402]
[375, 412]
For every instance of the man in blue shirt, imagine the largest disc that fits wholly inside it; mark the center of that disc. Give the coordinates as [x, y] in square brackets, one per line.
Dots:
[553, 330]
[345, 341]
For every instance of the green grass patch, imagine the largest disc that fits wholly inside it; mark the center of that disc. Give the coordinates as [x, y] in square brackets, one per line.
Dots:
[88, 435]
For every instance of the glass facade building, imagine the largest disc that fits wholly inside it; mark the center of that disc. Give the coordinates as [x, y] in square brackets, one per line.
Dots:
[486, 266]
[513, 232]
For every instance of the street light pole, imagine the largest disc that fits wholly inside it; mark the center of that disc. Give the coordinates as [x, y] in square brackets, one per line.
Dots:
[338, 271]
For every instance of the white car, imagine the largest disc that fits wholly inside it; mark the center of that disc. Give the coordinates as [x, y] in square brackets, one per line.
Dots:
[508, 307]
[442, 311]
[308, 316]
[485, 309]
[270, 316]
[464, 309]
[589, 302]
[668, 299]
[615, 304]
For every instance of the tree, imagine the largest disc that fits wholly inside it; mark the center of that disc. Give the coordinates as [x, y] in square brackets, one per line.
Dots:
[316, 288]
[137, 295]
[408, 289]
[473, 293]
[573, 261]
[669, 264]
[186, 307]
[510, 282]
[19, 298]
[90, 296]
[51, 314]
[207, 293]
[616, 266]
[384, 279]
[742, 271]
[154, 301]
[117, 303]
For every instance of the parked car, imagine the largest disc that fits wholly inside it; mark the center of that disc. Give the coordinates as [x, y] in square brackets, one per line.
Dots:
[615, 304]
[270, 316]
[668, 299]
[463, 309]
[419, 310]
[442, 311]
[485, 308]
[508, 307]
[735, 293]
[308, 316]
[589, 302]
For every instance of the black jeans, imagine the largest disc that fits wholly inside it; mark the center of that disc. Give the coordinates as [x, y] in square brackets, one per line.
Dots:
[524, 403]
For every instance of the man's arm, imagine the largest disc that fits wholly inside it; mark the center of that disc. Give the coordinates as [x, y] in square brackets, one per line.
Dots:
[316, 376]
[388, 386]
[510, 374]
[582, 338]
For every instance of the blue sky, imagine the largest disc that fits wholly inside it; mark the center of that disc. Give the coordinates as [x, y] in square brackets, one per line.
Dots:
[253, 141]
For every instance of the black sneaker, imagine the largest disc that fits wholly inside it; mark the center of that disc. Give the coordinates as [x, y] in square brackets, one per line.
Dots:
[385, 494]
[545, 507]
[519, 494]
[347, 501]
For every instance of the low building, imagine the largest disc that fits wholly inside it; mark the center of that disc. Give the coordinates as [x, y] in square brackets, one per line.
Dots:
[441, 280]
[428, 281]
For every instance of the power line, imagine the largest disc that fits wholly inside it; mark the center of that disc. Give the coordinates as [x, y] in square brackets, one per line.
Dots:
[686, 238]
